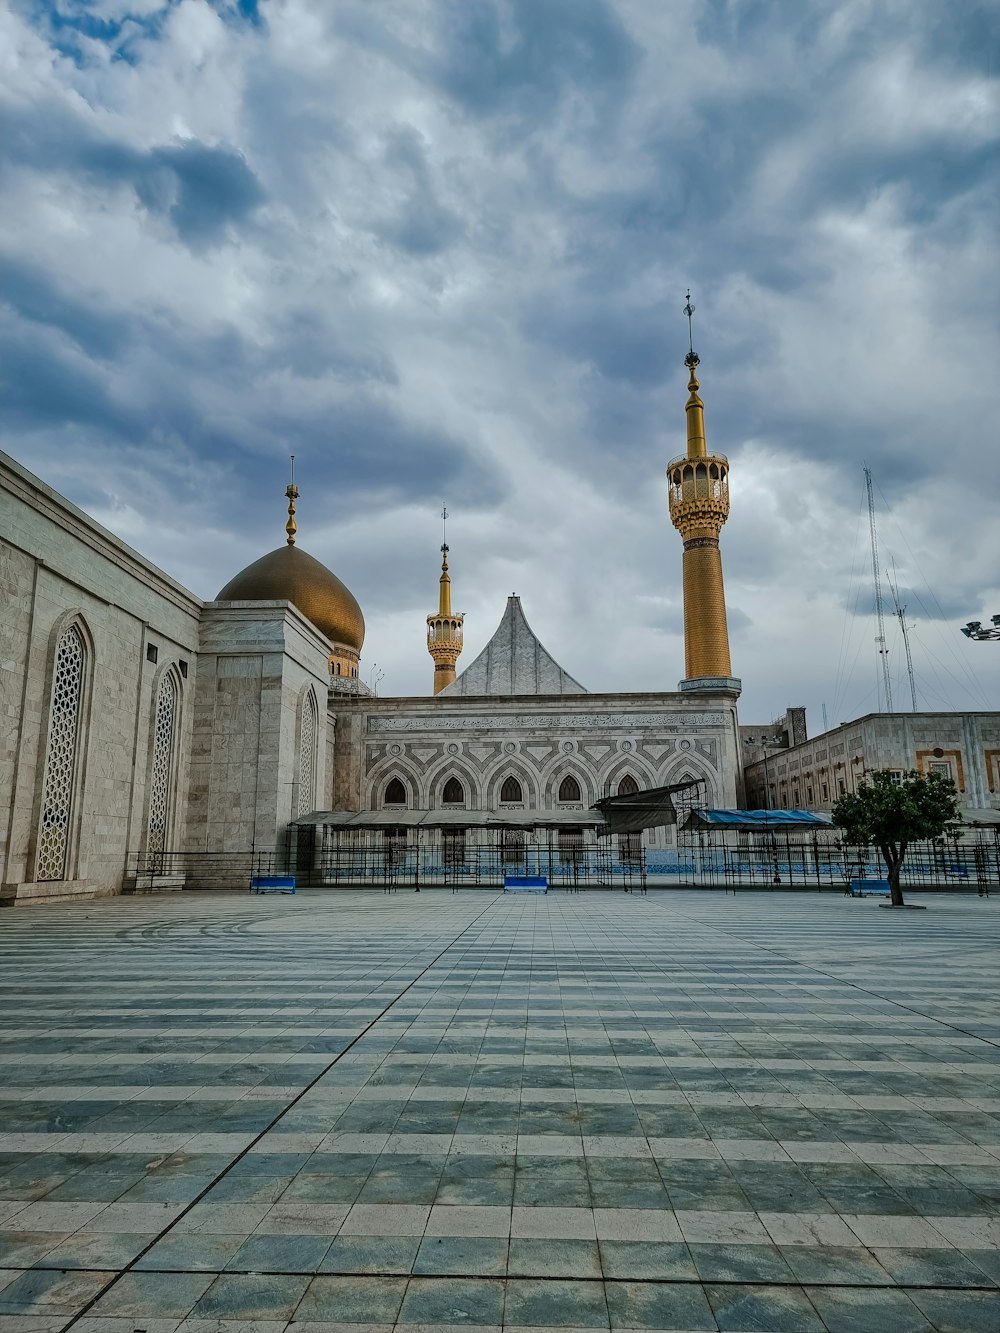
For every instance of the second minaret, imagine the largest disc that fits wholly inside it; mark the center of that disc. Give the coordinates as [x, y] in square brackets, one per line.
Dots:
[444, 631]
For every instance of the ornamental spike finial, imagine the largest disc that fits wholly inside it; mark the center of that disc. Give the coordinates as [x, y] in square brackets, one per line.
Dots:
[292, 492]
[692, 358]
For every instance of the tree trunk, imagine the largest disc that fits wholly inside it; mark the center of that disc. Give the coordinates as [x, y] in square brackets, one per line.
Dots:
[893, 857]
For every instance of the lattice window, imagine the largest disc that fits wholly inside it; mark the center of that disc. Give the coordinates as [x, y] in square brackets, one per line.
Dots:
[395, 793]
[163, 750]
[454, 792]
[510, 792]
[628, 786]
[307, 755]
[60, 761]
[569, 789]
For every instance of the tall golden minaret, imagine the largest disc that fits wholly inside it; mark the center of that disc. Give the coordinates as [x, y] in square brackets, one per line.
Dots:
[699, 505]
[444, 631]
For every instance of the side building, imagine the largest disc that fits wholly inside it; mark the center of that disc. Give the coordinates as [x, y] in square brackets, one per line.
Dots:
[812, 774]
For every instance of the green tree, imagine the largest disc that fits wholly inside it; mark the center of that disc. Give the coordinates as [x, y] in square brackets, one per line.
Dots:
[892, 813]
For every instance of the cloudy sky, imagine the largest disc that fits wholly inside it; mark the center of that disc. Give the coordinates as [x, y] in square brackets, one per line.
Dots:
[438, 250]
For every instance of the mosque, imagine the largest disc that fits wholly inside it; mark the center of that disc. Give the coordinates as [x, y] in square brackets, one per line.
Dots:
[139, 721]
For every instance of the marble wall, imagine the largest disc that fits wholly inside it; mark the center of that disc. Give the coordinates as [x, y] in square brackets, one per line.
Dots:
[58, 568]
[539, 740]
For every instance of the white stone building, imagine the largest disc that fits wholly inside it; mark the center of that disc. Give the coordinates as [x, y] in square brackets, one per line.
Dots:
[140, 725]
[137, 719]
[811, 774]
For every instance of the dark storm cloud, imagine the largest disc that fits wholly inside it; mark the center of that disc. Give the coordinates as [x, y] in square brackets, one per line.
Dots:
[422, 225]
[201, 190]
[44, 386]
[519, 59]
[441, 249]
[36, 297]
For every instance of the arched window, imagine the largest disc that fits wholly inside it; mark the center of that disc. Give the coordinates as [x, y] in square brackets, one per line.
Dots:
[510, 792]
[569, 789]
[307, 755]
[59, 783]
[395, 793]
[454, 792]
[164, 727]
[628, 786]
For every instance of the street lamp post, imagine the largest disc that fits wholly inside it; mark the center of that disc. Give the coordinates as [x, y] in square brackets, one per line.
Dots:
[765, 743]
[974, 630]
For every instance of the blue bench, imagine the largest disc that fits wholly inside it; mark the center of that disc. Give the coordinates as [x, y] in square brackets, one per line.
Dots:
[272, 883]
[864, 888]
[525, 884]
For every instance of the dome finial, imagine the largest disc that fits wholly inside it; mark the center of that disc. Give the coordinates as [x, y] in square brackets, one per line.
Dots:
[692, 358]
[292, 491]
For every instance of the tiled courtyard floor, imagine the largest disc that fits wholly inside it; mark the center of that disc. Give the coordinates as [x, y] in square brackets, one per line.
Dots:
[358, 1112]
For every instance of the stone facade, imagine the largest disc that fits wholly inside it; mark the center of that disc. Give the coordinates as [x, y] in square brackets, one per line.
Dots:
[258, 758]
[60, 571]
[812, 774]
[188, 718]
[597, 739]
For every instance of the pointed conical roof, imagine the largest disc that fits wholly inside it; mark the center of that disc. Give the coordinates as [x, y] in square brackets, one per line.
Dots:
[514, 662]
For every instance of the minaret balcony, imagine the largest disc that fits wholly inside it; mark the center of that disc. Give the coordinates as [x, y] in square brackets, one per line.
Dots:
[699, 479]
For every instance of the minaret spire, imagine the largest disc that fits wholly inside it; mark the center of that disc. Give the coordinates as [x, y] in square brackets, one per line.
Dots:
[444, 631]
[292, 492]
[699, 506]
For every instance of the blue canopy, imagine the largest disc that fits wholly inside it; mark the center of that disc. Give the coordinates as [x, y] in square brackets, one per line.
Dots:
[758, 820]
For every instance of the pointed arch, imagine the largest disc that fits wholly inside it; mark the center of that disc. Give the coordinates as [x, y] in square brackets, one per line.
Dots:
[569, 790]
[161, 783]
[627, 785]
[394, 792]
[689, 766]
[511, 791]
[307, 751]
[511, 768]
[453, 766]
[561, 765]
[636, 766]
[382, 773]
[66, 736]
[453, 793]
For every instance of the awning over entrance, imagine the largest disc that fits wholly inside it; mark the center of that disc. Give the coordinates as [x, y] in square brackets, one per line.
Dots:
[652, 808]
[758, 821]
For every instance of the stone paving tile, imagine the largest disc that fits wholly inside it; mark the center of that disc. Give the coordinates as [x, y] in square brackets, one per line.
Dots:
[590, 1112]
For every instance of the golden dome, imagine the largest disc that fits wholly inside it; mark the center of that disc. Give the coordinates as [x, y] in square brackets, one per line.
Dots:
[291, 575]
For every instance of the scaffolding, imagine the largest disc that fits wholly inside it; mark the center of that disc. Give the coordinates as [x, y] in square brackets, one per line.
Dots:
[461, 849]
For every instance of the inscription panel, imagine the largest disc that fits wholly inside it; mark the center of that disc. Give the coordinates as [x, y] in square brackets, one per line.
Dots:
[663, 722]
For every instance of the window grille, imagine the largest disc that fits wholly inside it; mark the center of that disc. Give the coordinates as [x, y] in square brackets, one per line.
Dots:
[510, 792]
[60, 761]
[163, 746]
[570, 846]
[569, 789]
[307, 755]
[630, 849]
[395, 793]
[454, 792]
[454, 847]
[628, 786]
[512, 847]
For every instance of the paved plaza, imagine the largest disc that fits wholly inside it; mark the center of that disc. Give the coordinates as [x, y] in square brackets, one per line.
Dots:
[351, 1111]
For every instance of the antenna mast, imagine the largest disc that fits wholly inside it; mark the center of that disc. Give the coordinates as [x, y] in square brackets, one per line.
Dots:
[905, 629]
[879, 614]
